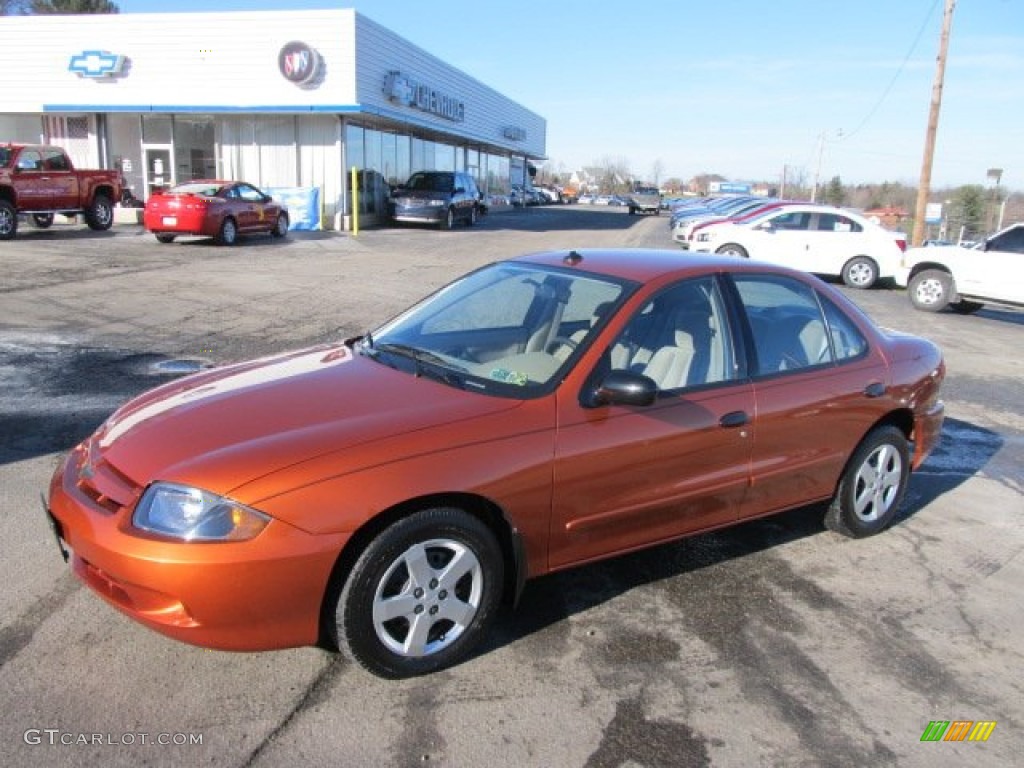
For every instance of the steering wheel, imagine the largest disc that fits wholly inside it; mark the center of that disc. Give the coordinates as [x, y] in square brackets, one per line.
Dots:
[559, 341]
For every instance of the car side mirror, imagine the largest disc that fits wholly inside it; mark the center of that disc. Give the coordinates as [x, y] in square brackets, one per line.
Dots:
[623, 388]
[766, 227]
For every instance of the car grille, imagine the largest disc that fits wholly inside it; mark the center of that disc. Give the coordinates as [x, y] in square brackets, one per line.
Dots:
[102, 483]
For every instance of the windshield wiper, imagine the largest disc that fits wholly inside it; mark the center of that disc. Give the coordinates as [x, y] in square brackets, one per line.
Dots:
[443, 372]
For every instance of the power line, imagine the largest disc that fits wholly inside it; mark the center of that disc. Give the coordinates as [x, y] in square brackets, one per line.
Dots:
[895, 77]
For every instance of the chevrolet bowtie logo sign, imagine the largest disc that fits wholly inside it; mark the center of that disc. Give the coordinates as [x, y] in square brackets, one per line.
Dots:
[96, 64]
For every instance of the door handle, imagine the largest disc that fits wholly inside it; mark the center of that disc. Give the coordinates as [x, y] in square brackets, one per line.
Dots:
[733, 419]
[874, 389]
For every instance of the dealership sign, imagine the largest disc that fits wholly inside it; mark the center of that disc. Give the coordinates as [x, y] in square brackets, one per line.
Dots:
[96, 64]
[403, 90]
[298, 62]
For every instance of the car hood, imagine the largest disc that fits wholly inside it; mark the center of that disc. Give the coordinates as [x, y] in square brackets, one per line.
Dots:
[224, 428]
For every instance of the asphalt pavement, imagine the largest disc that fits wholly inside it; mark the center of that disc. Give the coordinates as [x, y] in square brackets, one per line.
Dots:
[774, 643]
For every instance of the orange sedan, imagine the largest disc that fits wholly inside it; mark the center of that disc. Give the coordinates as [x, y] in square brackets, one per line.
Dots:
[387, 493]
[214, 208]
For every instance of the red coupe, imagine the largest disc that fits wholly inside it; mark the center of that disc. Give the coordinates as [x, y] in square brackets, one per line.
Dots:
[219, 209]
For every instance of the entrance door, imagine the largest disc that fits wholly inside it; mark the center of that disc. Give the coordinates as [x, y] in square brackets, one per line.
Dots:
[159, 160]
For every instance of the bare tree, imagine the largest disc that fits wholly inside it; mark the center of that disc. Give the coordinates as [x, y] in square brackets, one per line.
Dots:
[46, 7]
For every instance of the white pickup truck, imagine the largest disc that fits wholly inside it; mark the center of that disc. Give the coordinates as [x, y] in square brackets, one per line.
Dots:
[964, 279]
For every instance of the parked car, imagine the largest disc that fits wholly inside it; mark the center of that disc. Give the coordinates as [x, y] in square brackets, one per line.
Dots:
[437, 197]
[214, 208]
[388, 492]
[966, 278]
[684, 229]
[39, 180]
[586, 199]
[820, 239]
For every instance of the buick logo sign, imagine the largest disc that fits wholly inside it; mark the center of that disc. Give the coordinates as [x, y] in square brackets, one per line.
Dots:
[298, 63]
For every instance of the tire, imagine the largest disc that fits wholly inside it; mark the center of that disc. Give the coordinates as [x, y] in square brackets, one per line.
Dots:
[228, 232]
[872, 485]
[733, 249]
[42, 220]
[449, 219]
[964, 307]
[860, 272]
[100, 213]
[401, 613]
[472, 216]
[632, 211]
[930, 290]
[280, 226]
[165, 238]
[8, 221]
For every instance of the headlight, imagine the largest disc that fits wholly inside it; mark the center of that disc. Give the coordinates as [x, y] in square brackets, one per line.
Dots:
[192, 514]
[703, 237]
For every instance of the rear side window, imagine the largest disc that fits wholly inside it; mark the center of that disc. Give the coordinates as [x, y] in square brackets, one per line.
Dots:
[792, 327]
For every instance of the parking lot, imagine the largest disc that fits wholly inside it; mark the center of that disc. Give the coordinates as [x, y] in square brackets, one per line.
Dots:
[773, 643]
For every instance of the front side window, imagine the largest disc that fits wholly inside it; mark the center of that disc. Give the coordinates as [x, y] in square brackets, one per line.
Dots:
[679, 339]
[1012, 240]
[790, 220]
[30, 160]
[835, 222]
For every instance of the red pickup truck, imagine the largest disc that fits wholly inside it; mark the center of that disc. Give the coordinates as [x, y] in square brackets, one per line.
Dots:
[40, 180]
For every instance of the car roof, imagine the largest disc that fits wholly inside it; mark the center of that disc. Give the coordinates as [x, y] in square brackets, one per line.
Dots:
[645, 264]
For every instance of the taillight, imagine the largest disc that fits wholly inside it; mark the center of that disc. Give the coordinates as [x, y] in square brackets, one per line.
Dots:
[902, 244]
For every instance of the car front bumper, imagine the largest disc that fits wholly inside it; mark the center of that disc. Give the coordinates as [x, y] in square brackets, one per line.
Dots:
[260, 594]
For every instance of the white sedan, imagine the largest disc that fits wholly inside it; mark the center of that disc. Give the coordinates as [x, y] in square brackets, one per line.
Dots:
[821, 239]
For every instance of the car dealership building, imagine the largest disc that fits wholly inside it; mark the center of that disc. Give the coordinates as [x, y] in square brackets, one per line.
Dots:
[276, 98]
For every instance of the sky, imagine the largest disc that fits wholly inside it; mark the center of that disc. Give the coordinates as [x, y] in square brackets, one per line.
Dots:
[746, 89]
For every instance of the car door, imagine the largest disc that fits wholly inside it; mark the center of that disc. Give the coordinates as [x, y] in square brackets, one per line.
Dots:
[997, 270]
[629, 476]
[782, 239]
[250, 207]
[818, 388]
[61, 182]
[31, 186]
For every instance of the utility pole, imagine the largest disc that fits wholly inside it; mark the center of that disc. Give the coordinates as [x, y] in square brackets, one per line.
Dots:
[924, 187]
[817, 168]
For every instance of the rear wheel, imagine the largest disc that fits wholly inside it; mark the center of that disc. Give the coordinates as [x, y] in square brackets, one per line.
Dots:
[8, 220]
[228, 233]
[733, 249]
[280, 226]
[860, 272]
[449, 219]
[472, 216]
[100, 213]
[872, 485]
[930, 290]
[165, 238]
[421, 595]
[42, 220]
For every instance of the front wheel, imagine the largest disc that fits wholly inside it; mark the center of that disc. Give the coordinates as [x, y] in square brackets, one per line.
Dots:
[8, 220]
[872, 485]
[860, 272]
[100, 213]
[42, 220]
[733, 249]
[930, 290]
[472, 216]
[228, 232]
[421, 595]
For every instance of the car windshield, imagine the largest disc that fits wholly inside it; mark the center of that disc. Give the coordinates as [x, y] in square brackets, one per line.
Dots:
[430, 182]
[203, 189]
[509, 329]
